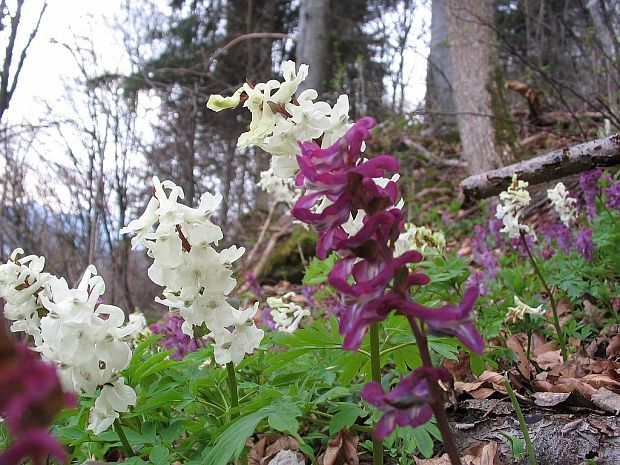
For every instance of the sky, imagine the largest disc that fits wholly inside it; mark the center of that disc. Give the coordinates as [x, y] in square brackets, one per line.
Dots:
[49, 67]
[48, 64]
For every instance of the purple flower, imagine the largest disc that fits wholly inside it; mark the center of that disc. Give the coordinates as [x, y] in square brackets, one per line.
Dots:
[254, 285]
[517, 243]
[495, 228]
[589, 186]
[477, 279]
[267, 319]
[174, 337]
[561, 233]
[584, 243]
[31, 398]
[481, 253]
[37, 444]
[405, 405]
[613, 196]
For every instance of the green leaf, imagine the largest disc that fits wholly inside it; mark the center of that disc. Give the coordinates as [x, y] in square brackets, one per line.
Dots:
[476, 363]
[284, 420]
[344, 418]
[424, 442]
[159, 455]
[317, 271]
[333, 393]
[231, 442]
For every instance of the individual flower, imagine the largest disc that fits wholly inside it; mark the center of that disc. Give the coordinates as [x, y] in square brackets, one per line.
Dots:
[286, 315]
[514, 200]
[588, 182]
[520, 309]
[219, 103]
[115, 397]
[563, 204]
[234, 342]
[406, 404]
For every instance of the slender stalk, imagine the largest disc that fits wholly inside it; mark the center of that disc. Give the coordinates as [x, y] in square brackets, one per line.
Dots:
[610, 214]
[526, 434]
[437, 396]
[232, 385]
[554, 310]
[375, 369]
[121, 435]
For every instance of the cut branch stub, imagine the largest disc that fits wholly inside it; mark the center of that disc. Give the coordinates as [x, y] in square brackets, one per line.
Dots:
[548, 167]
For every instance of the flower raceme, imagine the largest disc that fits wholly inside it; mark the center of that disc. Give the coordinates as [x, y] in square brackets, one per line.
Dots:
[380, 281]
[196, 278]
[86, 340]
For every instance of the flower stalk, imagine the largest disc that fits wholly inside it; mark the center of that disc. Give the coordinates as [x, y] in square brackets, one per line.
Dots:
[118, 427]
[437, 397]
[232, 385]
[375, 369]
[526, 435]
[552, 303]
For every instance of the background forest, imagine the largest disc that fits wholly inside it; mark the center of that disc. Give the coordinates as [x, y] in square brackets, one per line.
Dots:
[505, 79]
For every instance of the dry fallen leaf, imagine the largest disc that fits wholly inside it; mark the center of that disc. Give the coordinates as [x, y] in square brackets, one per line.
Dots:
[524, 365]
[607, 401]
[268, 446]
[549, 399]
[341, 450]
[443, 460]
[550, 359]
[613, 349]
[483, 454]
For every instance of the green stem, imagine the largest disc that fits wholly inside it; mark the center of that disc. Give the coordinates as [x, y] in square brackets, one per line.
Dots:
[232, 385]
[437, 396]
[375, 369]
[554, 310]
[610, 214]
[121, 435]
[526, 434]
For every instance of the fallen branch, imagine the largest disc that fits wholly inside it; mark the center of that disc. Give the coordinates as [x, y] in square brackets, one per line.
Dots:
[553, 165]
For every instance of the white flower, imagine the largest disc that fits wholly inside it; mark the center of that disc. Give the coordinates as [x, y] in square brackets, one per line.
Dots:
[514, 199]
[517, 312]
[244, 339]
[219, 103]
[286, 315]
[563, 204]
[282, 189]
[419, 238]
[114, 398]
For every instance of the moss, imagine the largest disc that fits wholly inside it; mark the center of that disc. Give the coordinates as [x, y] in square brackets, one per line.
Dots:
[285, 261]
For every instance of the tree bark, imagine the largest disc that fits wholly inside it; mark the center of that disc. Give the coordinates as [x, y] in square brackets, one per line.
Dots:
[440, 104]
[313, 41]
[553, 165]
[472, 56]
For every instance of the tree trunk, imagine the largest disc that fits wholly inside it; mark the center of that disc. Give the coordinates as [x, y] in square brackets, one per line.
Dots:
[439, 95]
[477, 96]
[313, 41]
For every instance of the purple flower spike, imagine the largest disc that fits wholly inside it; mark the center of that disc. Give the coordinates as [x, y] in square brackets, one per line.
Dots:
[406, 404]
[613, 196]
[584, 243]
[589, 186]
